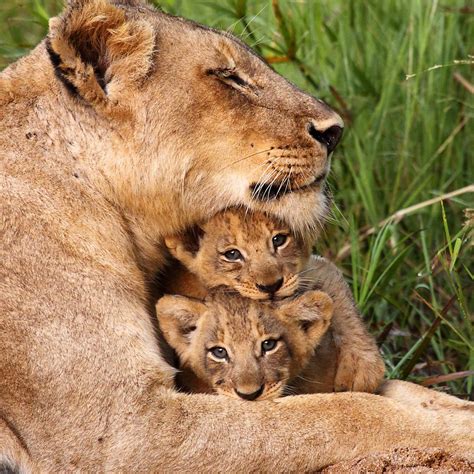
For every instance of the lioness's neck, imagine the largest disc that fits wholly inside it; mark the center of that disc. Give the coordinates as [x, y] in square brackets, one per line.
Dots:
[47, 114]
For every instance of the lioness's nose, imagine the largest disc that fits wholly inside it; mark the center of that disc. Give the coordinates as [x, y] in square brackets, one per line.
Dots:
[329, 135]
[250, 396]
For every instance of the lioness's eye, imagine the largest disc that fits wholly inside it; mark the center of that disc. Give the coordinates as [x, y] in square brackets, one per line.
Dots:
[219, 352]
[229, 76]
[233, 255]
[269, 345]
[279, 240]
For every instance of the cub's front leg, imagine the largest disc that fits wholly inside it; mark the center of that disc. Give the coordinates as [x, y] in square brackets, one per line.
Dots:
[359, 365]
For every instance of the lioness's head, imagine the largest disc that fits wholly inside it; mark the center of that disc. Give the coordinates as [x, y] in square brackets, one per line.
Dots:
[242, 348]
[188, 120]
[251, 252]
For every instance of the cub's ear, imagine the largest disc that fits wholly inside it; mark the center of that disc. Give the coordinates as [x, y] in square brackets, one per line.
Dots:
[185, 247]
[311, 312]
[178, 317]
[97, 52]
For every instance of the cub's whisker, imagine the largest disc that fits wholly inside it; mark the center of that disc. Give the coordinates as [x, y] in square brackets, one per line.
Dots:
[306, 379]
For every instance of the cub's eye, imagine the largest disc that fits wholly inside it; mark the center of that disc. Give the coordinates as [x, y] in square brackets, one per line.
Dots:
[279, 240]
[269, 345]
[233, 255]
[219, 352]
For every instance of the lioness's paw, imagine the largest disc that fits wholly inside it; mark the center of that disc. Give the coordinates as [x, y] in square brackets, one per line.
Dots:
[359, 372]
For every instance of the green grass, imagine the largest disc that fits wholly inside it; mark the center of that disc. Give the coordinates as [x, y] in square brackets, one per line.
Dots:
[406, 141]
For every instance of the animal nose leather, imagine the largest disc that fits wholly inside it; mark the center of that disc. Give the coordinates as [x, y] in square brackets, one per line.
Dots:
[250, 396]
[329, 136]
[273, 288]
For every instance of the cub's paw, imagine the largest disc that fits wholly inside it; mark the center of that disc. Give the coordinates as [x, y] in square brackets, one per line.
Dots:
[359, 371]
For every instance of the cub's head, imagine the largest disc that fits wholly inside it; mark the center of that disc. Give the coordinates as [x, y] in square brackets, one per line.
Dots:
[242, 348]
[253, 253]
[196, 120]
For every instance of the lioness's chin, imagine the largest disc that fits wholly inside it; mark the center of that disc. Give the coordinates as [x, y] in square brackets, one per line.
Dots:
[303, 211]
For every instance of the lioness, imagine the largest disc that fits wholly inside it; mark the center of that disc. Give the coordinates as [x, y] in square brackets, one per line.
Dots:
[261, 258]
[123, 126]
[238, 347]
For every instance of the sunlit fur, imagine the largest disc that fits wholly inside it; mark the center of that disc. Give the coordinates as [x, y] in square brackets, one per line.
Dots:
[185, 136]
[202, 252]
[240, 325]
[347, 359]
[93, 177]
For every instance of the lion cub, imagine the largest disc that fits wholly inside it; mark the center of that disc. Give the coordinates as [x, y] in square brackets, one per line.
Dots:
[239, 347]
[259, 257]
[254, 254]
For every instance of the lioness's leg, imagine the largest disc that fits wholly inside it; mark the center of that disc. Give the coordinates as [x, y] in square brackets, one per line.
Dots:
[113, 413]
[204, 433]
[417, 396]
[14, 457]
[360, 366]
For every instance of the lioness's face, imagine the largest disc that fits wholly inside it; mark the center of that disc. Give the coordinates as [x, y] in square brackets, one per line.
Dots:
[251, 252]
[241, 348]
[244, 131]
[199, 119]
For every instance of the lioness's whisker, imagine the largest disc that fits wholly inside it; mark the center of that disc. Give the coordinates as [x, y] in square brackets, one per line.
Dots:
[261, 178]
[248, 23]
[262, 183]
[283, 181]
[244, 158]
[288, 181]
[269, 186]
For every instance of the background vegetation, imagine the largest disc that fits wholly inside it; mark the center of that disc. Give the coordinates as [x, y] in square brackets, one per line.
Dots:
[400, 73]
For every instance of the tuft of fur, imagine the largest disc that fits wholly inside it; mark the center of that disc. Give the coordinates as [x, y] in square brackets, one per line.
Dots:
[99, 51]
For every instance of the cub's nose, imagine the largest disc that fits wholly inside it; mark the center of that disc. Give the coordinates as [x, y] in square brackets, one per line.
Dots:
[250, 396]
[270, 289]
[327, 135]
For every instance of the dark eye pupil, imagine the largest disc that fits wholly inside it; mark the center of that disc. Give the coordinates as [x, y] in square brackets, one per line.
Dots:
[268, 345]
[233, 254]
[237, 79]
[279, 240]
[219, 352]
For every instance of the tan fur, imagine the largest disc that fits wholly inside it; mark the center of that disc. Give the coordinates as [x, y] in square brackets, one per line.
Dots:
[348, 358]
[359, 364]
[13, 452]
[240, 326]
[202, 251]
[87, 190]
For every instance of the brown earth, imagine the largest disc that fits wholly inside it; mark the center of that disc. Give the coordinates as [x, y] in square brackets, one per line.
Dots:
[404, 460]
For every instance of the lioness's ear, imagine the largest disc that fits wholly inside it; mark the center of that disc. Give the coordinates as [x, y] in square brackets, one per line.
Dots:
[184, 247]
[178, 317]
[98, 52]
[311, 312]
